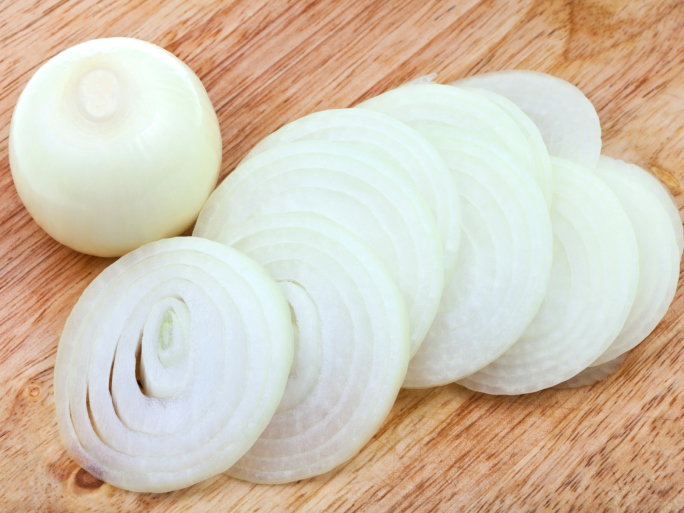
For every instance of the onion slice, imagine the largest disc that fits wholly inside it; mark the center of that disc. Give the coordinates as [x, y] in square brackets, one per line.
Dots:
[354, 188]
[592, 375]
[567, 120]
[399, 145]
[539, 157]
[352, 349]
[659, 253]
[504, 262]
[467, 109]
[658, 190]
[591, 291]
[207, 333]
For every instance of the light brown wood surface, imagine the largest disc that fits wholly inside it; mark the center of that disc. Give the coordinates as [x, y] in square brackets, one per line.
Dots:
[615, 446]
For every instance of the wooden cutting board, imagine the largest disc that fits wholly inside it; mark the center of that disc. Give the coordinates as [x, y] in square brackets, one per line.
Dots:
[615, 446]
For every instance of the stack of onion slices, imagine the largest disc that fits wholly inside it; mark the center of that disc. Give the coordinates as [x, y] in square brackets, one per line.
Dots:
[434, 234]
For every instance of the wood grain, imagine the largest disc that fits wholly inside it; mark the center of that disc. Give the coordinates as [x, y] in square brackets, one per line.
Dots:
[615, 446]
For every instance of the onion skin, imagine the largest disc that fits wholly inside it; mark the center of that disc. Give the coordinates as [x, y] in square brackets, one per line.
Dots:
[114, 143]
[216, 321]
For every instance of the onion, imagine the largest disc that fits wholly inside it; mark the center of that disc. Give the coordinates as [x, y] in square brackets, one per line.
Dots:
[657, 190]
[109, 133]
[592, 375]
[208, 334]
[352, 350]
[421, 104]
[357, 190]
[539, 157]
[591, 291]
[567, 120]
[504, 262]
[659, 253]
[395, 142]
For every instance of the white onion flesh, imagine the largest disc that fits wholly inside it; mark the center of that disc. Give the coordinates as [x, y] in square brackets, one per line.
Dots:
[354, 188]
[467, 109]
[658, 190]
[591, 291]
[566, 118]
[395, 142]
[592, 375]
[659, 253]
[209, 331]
[504, 262]
[539, 157]
[352, 351]
[114, 143]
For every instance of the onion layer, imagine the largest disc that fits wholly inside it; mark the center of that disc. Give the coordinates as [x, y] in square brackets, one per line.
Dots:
[657, 190]
[399, 145]
[659, 253]
[357, 190]
[591, 291]
[592, 375]
[504, 262]
[421, 104]
[539, 157]
[567, 120]
[206, 333]
[352, 351]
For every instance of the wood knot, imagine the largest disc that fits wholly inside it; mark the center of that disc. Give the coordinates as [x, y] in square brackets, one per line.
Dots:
[33, 391]
[86, 480]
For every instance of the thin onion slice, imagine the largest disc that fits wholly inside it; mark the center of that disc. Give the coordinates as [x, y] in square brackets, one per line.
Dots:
[399, 145]
[659, 253]
[591, 291]
[467, 109]
[662, 193]
[354, 188]
[540, 157]
[567, 120]
[208, 335]
[504, 262]
[352, 350]
[592, 375]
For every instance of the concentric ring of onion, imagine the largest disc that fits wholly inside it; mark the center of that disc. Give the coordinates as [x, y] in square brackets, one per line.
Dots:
[357, 190]
[659, 253]
[352, 344]
[591, 291]
[503, 269]
[171, 364]
[468, 109]
[567, 120]
[592, 375]
[399, 145]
